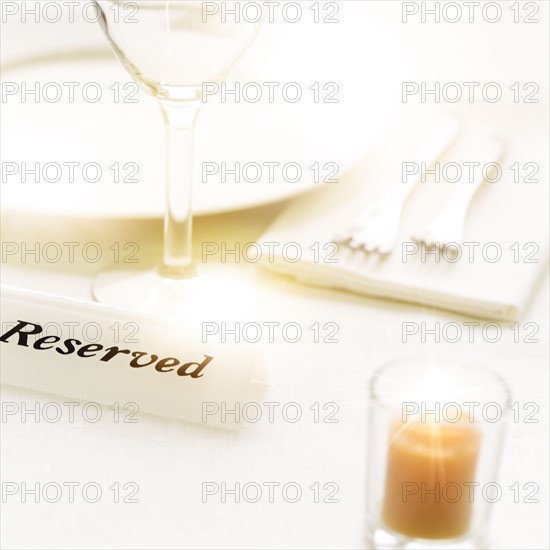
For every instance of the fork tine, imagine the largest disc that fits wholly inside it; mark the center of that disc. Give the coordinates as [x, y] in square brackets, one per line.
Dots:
[341, 238]
[370, 246]
[384, 249]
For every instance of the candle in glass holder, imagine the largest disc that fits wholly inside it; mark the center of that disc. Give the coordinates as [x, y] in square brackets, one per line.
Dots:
[430, 469]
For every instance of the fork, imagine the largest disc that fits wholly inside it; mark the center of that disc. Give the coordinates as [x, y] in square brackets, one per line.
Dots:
[377, 229]
[446, 228]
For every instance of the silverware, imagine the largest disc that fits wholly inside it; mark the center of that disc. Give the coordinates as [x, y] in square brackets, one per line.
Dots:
[446, 228]
[376, 230]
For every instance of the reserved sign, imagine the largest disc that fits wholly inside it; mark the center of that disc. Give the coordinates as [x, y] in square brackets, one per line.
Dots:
[46, 344]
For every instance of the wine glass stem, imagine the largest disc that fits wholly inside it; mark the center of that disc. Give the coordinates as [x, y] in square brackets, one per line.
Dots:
[180, 120]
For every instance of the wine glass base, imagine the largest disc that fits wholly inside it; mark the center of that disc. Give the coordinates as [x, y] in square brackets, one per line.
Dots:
[217, 292]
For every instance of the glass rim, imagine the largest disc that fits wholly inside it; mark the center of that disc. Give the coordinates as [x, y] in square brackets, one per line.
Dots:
[472, 364]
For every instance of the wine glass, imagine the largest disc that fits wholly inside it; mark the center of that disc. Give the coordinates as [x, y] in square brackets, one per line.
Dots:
[170, 48]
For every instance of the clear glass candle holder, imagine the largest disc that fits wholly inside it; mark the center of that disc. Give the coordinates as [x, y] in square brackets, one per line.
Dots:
[436, 427]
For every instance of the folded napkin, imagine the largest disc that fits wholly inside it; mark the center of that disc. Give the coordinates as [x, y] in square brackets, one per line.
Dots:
[506, 219]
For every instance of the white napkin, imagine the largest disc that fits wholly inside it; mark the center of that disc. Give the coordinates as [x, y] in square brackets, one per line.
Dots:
[503, 212]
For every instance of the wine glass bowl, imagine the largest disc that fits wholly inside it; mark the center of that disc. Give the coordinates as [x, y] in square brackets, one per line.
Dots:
[171, 47]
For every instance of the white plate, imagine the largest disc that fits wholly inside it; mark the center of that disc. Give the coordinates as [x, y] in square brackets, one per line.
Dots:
[108, 132]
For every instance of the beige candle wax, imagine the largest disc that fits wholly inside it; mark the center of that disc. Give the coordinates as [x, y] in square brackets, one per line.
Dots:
[429, 469]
